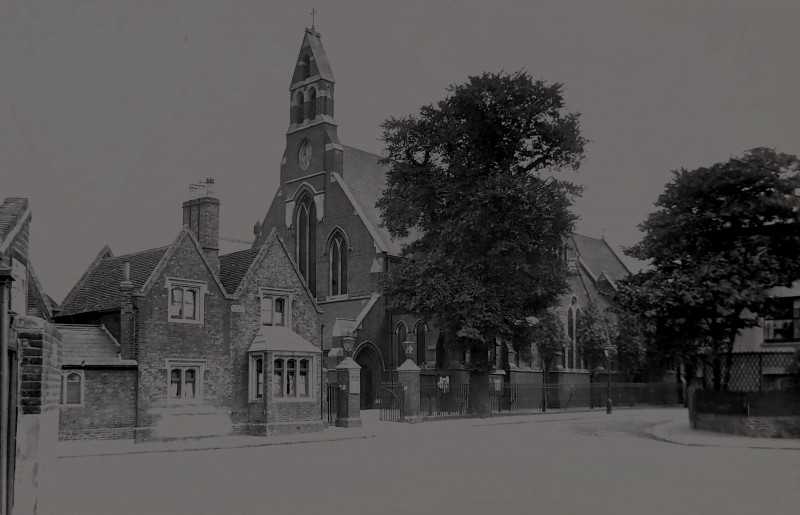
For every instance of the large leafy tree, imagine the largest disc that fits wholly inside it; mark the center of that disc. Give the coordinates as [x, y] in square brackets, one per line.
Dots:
[594, 335]
[474, 179]
[722, 237]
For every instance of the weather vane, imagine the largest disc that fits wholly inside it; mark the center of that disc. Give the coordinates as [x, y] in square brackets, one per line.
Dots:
[313, 13]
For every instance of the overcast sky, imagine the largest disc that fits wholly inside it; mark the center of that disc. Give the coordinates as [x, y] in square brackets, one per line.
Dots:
[109, 109]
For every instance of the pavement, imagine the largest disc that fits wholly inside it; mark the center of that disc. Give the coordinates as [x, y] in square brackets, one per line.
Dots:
[669, 425]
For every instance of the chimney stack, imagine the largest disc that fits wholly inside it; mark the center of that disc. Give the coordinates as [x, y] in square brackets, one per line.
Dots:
[201, 214]
[127, 315]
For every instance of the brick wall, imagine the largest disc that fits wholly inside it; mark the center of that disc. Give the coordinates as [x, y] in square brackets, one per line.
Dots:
[159, 339]
[39, 347]
[766, 427]
[275, 271]
[40, 365]
[108, 410]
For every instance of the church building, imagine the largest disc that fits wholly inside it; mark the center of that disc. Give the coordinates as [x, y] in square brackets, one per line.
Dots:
[324, 209]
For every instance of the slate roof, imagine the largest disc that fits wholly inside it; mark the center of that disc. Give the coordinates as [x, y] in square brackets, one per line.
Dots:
[366, 179]
[276, 338]
[234, 266]
[89, 345]
[599, 258]
[99, 289]
[10, 212]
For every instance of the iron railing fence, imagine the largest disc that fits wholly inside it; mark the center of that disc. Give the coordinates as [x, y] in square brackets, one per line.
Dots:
[751, 371]
[333, 392]
[391, 397]
[516, 398]
[449, 399]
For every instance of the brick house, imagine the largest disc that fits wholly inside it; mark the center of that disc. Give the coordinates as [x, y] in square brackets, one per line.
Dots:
[30, 356]
[324, 209]
[190, 343]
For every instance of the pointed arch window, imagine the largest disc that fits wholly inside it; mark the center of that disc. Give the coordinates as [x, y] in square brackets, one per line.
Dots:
[305, 67]
[338, 265]
[305, 221]
[311, 111]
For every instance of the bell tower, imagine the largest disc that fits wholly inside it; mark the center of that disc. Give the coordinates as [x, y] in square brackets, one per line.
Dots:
[313, 150]
[312, 154]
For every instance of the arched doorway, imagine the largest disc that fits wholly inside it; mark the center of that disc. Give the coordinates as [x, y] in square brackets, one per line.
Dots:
[370, 360]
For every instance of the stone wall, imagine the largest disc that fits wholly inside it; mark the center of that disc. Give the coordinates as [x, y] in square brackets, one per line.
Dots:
[39, 347]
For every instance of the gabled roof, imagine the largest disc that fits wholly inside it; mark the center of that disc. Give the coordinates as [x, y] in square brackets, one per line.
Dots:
[599, 258]
[89, 345]
[98, 289]
[39, 303]
[365, 180]
[14, 211]
[234, 266]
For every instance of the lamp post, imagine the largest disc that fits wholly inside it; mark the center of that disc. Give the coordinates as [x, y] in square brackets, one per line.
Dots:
[608, 380]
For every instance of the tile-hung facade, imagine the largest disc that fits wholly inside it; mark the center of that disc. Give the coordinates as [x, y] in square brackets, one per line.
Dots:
[324, 209]
[180, 341]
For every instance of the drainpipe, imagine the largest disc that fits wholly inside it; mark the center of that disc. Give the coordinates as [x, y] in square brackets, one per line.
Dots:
[5, 371]
[321, 379]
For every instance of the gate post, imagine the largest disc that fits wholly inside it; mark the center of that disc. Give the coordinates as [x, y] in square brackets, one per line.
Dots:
[348, 376]
[37, 434]
[408, 378]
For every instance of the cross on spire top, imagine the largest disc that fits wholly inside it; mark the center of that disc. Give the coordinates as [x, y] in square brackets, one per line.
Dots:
[313, 13]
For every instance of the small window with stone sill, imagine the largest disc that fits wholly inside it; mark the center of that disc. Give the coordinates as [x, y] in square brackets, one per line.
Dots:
[292, 378]
[72, 388]
[185, 300]
[185, 380]
[276, 307]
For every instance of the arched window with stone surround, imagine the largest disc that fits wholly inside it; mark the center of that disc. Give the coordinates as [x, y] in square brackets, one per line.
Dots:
[311, 111]
[299, 107]
[305, 230]
[337, 259]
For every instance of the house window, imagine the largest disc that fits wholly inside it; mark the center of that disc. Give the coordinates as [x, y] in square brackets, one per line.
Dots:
[186, 300]
[305, 222]
[185, 380]
[338, 264]
[275, 307]
[72, 388]
[784, 325]
[256, 378]
[292, 378]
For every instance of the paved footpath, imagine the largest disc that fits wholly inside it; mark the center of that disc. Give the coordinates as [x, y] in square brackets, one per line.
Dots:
[664, 424]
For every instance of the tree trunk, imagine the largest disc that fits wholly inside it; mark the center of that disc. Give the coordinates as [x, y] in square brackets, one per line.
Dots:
[716, 368]
[728, 360]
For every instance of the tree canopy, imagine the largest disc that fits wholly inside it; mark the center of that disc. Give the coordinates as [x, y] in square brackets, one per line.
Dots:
[723, 236]
[473, 179]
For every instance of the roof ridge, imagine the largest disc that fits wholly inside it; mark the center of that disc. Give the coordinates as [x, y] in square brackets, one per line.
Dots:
[137, 253]
[261, 252]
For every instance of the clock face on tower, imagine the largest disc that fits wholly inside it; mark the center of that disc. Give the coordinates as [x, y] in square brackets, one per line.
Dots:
[304, 156]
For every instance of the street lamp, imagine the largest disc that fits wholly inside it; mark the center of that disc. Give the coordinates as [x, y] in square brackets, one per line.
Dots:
[607, 352]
